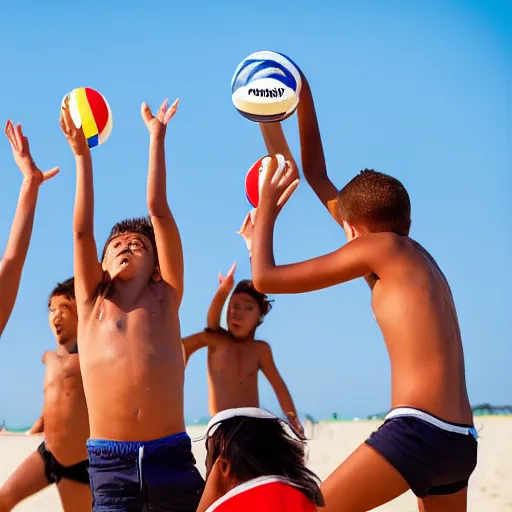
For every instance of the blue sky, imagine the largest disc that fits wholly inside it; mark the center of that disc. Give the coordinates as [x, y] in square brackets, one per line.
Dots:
[422, 91]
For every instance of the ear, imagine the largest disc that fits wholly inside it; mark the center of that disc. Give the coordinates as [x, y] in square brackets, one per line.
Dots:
[156, 277]
[224, 467]
[350, 231]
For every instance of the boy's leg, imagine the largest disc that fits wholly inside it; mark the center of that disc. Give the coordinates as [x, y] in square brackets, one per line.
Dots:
[448, 503]
[27, 479]
[75, 496]
[364, 481]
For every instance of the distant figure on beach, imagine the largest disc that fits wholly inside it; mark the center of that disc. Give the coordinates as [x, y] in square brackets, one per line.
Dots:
[254, 465]
[129, 339]
[13, 260]
[61, 458]
[428, 442]
[235, 357]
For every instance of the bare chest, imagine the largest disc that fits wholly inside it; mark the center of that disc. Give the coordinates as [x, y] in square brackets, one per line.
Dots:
[233, 360]
[62, 372]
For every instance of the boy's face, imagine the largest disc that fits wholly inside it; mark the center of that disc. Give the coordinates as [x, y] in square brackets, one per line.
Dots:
[243, 315]
[129, 255]
[63, 319]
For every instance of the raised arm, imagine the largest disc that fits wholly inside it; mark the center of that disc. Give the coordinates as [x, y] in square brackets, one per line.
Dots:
[312, 153]
[167, 235]
[87, 269]
[219, 299]
[275, 141]
[11, 265]
[269, 369]
[356, 259]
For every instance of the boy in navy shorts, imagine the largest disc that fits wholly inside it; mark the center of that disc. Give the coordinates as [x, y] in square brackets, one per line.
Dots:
[428, 441]
[130, 343]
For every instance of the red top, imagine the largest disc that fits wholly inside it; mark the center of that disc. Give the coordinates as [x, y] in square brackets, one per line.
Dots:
[268, 493]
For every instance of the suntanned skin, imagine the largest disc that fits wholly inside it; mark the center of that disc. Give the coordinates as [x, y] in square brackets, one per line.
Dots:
[235, 357]
[13, 260]
[65, 419]
[129, 333]
[412, 304]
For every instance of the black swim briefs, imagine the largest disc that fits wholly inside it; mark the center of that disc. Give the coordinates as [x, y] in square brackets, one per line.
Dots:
[55, 471]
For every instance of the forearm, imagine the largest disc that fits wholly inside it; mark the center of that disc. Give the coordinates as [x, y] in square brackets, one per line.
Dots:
[262, 250]
[312, 153]
[157, 179]
[83, 219]
[275, 140]
[215, 309]
[11, 266]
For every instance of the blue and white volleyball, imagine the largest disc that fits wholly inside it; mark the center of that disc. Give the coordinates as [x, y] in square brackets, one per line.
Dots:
[266, 87]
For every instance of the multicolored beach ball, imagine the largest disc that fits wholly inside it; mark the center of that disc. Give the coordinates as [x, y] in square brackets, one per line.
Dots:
[91, 110]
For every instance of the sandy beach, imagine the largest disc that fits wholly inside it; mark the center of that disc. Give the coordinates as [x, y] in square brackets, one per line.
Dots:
[490, 487]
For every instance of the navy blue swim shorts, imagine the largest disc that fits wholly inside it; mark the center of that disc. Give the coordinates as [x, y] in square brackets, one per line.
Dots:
[158, 476]
[433, 456]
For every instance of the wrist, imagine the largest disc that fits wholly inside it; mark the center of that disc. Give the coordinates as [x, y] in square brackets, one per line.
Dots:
[156, 138]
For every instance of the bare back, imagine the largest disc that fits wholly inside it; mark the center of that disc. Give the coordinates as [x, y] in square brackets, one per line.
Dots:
[66, 423]
[233, 368]
[414, 308]
[132, 365]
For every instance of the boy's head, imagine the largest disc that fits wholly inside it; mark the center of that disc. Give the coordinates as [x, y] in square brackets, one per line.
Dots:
[131, 250]
[246, 310]
[243, 444]
[62, 313]
[374, 202]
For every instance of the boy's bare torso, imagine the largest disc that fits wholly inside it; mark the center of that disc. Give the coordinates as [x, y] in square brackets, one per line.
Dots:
[133, 366]
[414, 308]
[233, 368]
[66, 423]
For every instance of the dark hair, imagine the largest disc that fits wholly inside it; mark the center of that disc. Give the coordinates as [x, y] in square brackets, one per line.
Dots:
[246, 286]
[377, 202]
[139, 225]
[66, 288]
[262, 447]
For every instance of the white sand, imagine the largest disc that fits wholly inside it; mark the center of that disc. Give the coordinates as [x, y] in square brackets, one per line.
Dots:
[490, 488]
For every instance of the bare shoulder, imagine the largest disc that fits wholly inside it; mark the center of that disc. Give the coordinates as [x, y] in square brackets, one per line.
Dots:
[47, 356]
[263, 348]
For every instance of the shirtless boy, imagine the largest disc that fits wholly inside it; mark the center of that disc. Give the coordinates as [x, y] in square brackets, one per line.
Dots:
[62, 458]
[11, 265]
[234, 356]
[428, 442]
[130, 343]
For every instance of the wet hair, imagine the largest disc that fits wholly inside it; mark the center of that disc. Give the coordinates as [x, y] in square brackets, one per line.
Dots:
[376, 201]
[66, 288]
[139, 225]
[262, 447]
[246, 286]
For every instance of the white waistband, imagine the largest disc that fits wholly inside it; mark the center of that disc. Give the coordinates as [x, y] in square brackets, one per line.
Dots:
[436, 422]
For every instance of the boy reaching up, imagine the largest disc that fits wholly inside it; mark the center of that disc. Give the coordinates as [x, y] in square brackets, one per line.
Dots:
[235, 356]
[130, 344]
[428, 441]
[13, 260]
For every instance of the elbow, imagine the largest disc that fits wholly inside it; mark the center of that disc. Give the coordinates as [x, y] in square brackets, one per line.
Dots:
[262, 281]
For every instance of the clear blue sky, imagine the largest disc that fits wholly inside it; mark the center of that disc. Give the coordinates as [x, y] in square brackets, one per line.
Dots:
[420, 90]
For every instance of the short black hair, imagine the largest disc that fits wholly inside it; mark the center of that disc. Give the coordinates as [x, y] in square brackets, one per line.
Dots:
[247, 286]
[261, 447]
[377, 202]
[139, 225]
[66, 288]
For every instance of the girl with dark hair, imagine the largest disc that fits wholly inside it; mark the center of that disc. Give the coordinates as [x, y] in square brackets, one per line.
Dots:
[254, 464]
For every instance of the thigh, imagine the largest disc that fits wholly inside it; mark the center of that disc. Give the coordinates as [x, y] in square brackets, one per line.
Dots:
[364, 481]
[448, 503]
[75, 496]
[27, 479]
[172, 489]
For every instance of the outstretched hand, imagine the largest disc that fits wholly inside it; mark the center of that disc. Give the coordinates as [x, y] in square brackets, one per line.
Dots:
[279, 184]
[228, 281]
[75, 136]
[247, 228]
[23, 158]
[157, 125]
